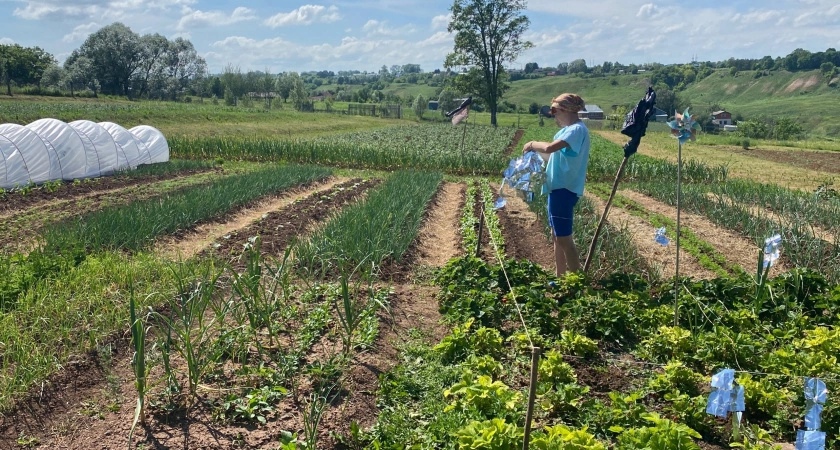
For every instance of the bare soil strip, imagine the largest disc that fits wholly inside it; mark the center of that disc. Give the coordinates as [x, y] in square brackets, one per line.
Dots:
[658, 257]
[189, 244]
[525, 235]
[439, 239]
[733, 246]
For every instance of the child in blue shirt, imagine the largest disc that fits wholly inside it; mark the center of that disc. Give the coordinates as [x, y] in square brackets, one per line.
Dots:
[568, 158]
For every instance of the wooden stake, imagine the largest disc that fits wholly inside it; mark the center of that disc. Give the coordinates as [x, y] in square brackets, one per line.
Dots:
[532, 395]
[591, 253]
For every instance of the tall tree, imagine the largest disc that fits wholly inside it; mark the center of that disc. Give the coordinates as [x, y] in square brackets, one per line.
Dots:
[117, 54]
[488, 33]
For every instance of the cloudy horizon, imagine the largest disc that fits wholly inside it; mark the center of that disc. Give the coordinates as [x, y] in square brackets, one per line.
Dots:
[367, 34]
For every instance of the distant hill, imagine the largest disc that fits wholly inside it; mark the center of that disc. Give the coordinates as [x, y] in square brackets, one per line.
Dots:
[808, 96]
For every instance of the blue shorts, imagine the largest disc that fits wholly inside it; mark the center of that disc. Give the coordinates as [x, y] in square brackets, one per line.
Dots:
[561, 206]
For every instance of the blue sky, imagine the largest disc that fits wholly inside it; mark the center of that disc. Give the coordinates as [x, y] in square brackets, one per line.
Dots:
[289, 35]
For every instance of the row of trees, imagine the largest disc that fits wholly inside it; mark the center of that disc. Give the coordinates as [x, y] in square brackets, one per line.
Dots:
[113, 61]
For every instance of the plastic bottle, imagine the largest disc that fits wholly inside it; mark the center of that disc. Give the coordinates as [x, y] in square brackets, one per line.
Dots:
[660, 237]
[771, 250]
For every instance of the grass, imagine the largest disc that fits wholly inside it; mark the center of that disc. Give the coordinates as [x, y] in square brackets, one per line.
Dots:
[736, 161]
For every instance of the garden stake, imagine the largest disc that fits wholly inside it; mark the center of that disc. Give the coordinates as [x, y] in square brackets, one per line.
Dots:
[480, 231]
[677, 265]
[603, 220]
[532, 394]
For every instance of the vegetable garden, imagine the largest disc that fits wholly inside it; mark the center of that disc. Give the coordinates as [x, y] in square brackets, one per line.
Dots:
[316, 326]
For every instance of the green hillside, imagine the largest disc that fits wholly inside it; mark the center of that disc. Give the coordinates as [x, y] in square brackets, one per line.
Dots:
[807, 96]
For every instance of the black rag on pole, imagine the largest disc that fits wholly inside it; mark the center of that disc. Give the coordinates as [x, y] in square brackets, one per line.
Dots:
[460, 108]
[635, 125]
[636, 122]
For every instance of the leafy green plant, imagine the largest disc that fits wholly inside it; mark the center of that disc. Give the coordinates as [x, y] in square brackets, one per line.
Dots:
[576, 344]
[554, 370]
[482, 394]
[254, 406]
[563, 437]
[494, 434]
[663, 434]
[677, 377]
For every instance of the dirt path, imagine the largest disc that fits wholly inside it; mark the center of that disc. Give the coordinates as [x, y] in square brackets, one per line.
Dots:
[525, 235]
[187, 246]
[733, 246]
[658, 257]
[439, 238]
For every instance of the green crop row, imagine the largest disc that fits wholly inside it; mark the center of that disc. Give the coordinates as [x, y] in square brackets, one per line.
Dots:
[136, 225]
[380, 227]
[822, 211]
[437, 147]
[469, 222]
[707, 256]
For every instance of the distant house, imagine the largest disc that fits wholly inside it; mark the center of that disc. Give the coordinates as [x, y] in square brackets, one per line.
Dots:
[433, 105]
[659, 115]
[592, 112]
[722, 118]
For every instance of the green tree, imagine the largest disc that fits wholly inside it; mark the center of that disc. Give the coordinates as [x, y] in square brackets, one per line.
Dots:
[300, 98]
[79, 75]
[420, 105]
[283, 85]
[117, 54]
[488, 33]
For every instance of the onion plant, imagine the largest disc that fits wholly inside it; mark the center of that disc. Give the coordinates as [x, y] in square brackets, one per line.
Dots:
[136, 225]
[138, 362]
[190, 323]
[381, 226]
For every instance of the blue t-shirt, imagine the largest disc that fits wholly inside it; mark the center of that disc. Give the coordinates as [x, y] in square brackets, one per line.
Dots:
[567, 167]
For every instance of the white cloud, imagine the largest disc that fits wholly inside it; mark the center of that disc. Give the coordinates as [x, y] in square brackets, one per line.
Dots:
[61, 10]
[6, 41]
[376, 28]
[441, 21]
[214, 18]
[350, 52]
[81, 32]
[305, 15]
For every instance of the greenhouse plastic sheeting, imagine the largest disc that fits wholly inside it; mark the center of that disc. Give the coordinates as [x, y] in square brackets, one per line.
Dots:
[39, 157]
[154, 140]
[106, 148]
[133, 149]
[75, 151]
[49, 149]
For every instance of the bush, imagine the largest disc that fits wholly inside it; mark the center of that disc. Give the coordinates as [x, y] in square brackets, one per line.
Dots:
[745, 143]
